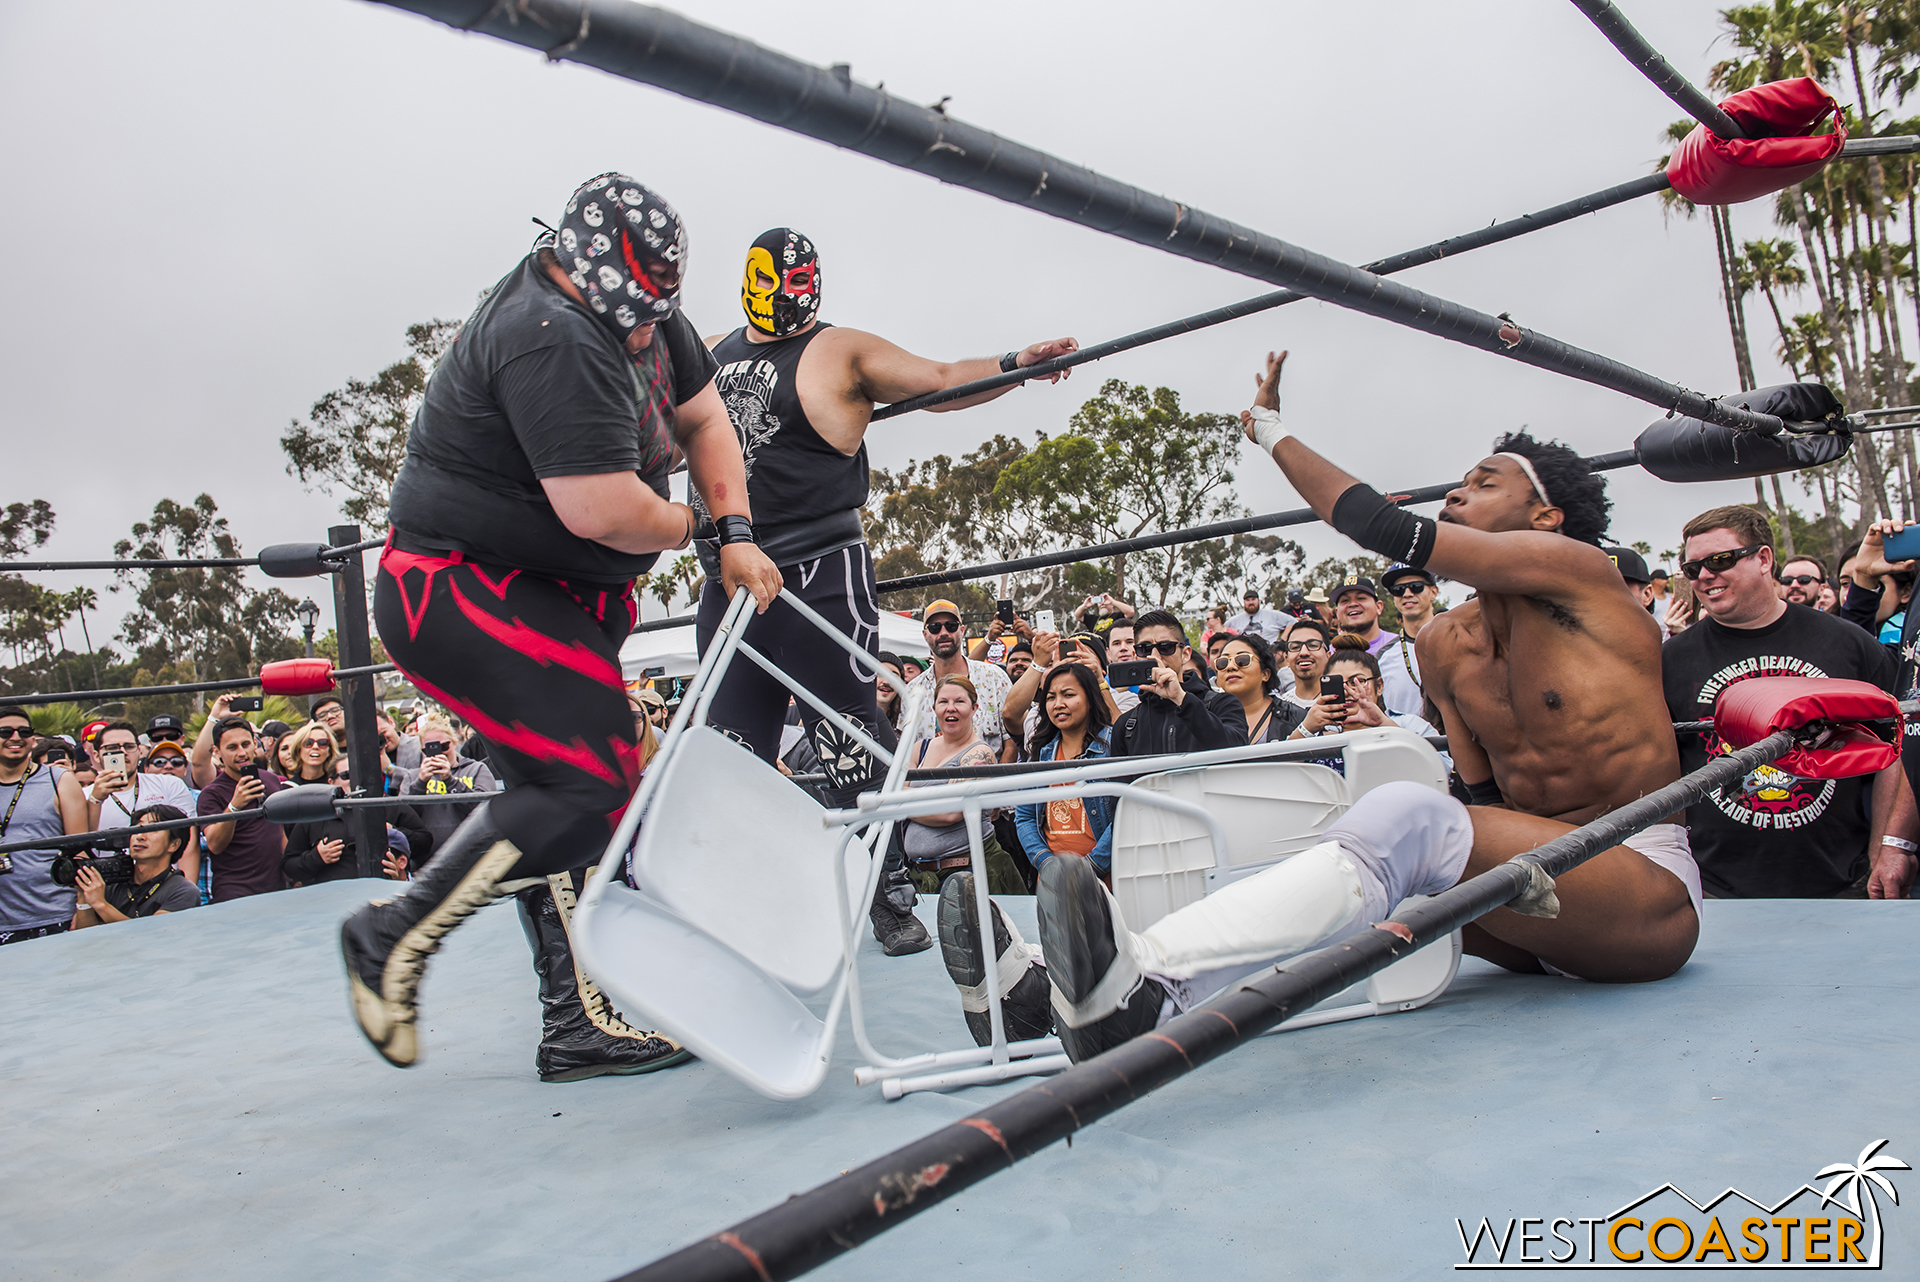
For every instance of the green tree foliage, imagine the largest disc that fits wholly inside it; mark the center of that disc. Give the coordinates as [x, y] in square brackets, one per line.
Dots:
[1132, 462]
[208, 622]
[33, 618]
[355, 438]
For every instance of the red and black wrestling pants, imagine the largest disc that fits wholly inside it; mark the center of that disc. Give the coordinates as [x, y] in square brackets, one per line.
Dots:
[533, 664]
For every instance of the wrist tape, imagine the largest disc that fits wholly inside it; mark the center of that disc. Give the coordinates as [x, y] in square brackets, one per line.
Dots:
[1267, 429]
[733, 529]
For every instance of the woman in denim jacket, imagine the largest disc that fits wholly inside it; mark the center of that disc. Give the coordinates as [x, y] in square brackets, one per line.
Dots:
[1074, 725]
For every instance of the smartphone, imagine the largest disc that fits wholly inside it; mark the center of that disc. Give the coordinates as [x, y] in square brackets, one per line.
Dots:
[1003, 611]
[250, 771]
[1904, 546]
[114, 759]
[1335, 685]
[246, 703]
[1131, 672]
[1043, 621]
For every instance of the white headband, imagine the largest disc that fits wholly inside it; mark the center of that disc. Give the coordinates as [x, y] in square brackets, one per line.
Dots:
[1532, 475]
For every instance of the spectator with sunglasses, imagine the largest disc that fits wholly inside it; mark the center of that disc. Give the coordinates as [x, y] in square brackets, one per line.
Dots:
[1178, 712]
[947, 638]
[1801, 579]
[443, 771]
[1415, 593]
[1776, 836]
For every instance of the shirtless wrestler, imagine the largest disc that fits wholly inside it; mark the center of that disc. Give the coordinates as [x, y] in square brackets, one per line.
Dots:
[1549, 684]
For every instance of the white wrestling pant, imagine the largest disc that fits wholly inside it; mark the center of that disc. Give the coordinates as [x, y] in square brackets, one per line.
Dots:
[1400, 839]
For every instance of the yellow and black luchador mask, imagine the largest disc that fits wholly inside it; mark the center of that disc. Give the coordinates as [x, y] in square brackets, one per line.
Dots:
[781, 291]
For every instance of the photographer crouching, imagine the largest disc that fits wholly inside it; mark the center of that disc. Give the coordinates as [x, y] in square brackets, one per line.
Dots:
[152, 886]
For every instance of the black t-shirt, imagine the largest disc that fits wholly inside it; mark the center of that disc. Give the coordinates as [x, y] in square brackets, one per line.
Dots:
[1772, 835]
[535, 387]
[170, 892]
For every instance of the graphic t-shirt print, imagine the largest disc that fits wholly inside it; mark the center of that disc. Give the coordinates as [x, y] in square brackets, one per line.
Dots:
[1765, 797]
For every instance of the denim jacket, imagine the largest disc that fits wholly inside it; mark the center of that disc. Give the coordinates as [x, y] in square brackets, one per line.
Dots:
[1027, 819]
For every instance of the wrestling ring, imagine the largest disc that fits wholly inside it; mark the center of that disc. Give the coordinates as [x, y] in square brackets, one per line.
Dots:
[1358, 1149]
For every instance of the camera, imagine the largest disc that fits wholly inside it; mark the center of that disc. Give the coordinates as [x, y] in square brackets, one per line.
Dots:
[115, 870]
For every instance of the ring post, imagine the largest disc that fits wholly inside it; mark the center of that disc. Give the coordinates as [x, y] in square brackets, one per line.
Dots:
[367, 828]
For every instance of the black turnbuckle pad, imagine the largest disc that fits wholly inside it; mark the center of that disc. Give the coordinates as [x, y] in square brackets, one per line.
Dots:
[295, 560]
[307, 804]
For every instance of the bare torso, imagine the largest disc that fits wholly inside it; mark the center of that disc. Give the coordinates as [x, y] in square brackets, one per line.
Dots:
[1563, 697]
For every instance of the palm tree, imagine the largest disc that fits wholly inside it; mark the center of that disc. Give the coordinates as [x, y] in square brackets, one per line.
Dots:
[1768, 265]
[1723, 247]
[80, 600]
[1860, 1176]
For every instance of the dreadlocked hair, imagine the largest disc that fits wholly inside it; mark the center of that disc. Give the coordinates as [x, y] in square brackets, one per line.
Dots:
[1573, 487]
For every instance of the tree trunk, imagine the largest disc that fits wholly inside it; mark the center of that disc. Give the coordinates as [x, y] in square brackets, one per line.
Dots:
[1877, 191]
[1727, 251]
[1849, 377]
[1780, 324]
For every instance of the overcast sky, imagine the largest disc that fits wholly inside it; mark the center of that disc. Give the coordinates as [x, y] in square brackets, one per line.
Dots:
[222, 210]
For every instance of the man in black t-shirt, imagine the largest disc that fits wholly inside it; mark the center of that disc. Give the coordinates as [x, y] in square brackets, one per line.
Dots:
[1772, 835]
[534, 490]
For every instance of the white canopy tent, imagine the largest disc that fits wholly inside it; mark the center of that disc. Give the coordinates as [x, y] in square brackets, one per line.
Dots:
[673, 648]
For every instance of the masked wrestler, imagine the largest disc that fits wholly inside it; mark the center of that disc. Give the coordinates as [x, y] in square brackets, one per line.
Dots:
[801, 393]
[534, 490]
[1549, 684]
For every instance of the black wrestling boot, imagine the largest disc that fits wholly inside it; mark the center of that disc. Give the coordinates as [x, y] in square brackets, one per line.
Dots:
[386, 944]
[1076, 936]
[1026, 1008]
[894, 925]
[581, 1035]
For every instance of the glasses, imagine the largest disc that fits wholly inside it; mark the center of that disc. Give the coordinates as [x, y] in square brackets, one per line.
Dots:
[16, 732]
[435, 749]
[1165, 649]
[1413, 588]
[1241, 660]
[167, 763]
[1313, 647]
[317, 742]
[1801, 580]
[1719, 562]
[937, 626]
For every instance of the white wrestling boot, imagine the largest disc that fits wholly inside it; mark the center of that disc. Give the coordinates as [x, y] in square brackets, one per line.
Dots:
[1109, 984]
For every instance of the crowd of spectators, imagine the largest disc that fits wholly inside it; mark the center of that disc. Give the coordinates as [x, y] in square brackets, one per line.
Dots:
[1115, 681]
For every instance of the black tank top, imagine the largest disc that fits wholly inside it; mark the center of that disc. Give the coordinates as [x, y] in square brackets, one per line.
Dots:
[806, 494]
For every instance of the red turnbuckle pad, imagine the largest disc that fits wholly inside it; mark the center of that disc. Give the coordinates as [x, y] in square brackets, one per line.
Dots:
[297, 676]
[1776, 153]
[1749, 711]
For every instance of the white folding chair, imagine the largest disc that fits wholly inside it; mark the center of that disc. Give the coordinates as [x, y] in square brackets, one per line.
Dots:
[1269, 811]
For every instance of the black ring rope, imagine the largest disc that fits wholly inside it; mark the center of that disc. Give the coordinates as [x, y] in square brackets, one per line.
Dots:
[1648, 61]
[656, 47]
[811, 1228]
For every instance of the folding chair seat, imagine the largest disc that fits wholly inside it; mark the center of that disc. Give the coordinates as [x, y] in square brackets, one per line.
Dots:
[735, 919]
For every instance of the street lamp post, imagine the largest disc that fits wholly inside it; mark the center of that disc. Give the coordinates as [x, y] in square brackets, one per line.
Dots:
[309, 616]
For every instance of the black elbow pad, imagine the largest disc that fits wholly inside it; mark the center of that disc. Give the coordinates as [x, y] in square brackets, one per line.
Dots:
[1379, 526]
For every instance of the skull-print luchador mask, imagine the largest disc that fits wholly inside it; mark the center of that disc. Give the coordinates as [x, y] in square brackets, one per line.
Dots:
[781, 291]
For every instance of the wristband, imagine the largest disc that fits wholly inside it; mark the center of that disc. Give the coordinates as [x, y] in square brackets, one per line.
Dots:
[1267, 430]
[1010, 362]
[1901, 843]
[733, 529]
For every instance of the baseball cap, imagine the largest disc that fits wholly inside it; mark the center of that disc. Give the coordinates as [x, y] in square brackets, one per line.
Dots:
[1357, 585]
[91, 731]
[1401, 570]
[1661, 573]
[166, 726]
[942, 606]
[1632, 568]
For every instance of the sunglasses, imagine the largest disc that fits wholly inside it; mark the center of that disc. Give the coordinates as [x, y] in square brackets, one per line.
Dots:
[1412, 588]
[1803, 580]
[1241, 660]
[937, 626]
[1165, 649]
[1316, 645]
[167, 763]
[1719, 562]
[16, 732]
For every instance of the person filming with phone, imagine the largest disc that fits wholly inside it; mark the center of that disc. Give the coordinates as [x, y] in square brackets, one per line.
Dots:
[443, 771]
[120, 789]
[157, 886]
[1350, 696]
[245, 853]
[1176, 712]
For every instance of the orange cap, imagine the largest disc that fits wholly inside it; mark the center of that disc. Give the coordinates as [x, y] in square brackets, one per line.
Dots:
[939, 607]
